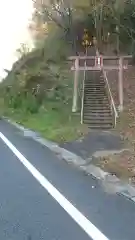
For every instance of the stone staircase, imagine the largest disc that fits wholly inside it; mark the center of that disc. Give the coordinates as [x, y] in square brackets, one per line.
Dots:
[97, 112]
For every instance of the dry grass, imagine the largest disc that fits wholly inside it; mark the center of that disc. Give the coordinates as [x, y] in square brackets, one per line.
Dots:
[121, 165]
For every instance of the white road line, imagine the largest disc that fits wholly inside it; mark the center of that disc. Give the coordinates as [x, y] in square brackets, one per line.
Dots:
[78, 217]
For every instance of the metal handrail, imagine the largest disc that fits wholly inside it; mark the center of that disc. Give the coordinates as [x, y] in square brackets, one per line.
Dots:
[109, 91]
[111, 97]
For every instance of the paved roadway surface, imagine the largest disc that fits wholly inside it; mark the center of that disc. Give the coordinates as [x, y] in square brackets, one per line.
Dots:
[42, 197]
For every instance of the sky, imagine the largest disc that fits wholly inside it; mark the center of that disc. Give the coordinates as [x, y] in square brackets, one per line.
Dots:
[14, 18]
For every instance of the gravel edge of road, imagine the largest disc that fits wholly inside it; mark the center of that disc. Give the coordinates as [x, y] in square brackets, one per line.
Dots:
[110, 183]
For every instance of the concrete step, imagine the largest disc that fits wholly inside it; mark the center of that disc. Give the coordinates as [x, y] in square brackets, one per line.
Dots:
[98, 121]
[100, 114]
[97, 111]
[96, 103]
[93, 102]
[105, 127]
[93, 93]
[105, 114]
[96, 108]
[96, 94]
[92, 99]
[90, 106]
[94, 82]
[95, 116]
[94, 86]
[95, 99]
[95, 90]
[98, 126]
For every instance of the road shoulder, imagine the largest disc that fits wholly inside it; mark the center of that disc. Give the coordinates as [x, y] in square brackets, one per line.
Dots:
[110, 182]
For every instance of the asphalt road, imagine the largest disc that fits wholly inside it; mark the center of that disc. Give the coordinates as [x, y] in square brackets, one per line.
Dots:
[42, 197]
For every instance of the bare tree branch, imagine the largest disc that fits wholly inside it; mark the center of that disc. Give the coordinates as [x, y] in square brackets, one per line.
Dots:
[51, 14]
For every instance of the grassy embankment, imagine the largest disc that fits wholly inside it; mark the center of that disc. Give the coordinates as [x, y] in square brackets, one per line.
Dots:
[38, 93]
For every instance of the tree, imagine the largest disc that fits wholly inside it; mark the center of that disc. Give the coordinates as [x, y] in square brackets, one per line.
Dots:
[102, 17]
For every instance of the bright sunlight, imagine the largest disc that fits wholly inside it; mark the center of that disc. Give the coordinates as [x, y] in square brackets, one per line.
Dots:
[14, 19]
